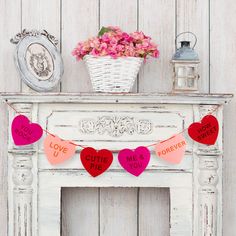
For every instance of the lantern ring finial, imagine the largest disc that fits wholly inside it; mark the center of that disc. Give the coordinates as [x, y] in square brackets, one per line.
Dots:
[186, 32]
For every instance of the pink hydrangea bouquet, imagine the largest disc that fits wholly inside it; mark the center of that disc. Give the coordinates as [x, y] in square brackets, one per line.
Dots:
[112, 41]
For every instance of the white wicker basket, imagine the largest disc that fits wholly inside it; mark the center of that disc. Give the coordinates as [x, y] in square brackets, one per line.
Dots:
[113, 75]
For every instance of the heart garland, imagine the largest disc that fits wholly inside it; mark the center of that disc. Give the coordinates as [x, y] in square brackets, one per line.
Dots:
[96, 162]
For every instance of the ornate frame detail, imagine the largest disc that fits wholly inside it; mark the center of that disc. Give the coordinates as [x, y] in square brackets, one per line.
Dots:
[18, 37]
[38, 60]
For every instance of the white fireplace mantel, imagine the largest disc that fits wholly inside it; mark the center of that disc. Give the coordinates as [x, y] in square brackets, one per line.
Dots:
[114, 122]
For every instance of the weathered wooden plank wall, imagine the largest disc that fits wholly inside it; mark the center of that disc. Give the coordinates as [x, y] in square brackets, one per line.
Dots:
[74, 20]
[222, 79]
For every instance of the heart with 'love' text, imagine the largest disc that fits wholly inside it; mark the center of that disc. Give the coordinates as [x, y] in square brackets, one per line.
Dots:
[206, 131]
[58, 150]
[96, 162]
[135, 162]
[23, 132]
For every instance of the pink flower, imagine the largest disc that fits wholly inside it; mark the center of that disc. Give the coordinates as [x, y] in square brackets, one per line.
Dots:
[116, 43]
[103, 46]
[95, 52]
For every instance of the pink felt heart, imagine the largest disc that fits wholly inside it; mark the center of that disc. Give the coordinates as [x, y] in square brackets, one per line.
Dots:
[57, 150]
[172, 150]
[135, 162]
[24, 132]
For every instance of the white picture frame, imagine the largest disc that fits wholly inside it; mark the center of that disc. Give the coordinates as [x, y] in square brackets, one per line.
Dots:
[38, 60]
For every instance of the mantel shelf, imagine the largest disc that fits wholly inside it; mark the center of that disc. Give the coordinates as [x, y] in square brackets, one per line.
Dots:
[167, 98]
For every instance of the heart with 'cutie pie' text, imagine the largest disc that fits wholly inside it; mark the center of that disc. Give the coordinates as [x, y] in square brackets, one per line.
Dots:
[96, 162]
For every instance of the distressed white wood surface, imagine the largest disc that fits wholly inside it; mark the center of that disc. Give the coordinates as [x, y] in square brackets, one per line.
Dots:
[120, 13]
[80, 211]
[154, 217]
[114, 206]
[40, 15]
[3, 172]
[80, 20]
[10, 13]
[132, 98]
[118, 211]
[49, 210]
[222, 72]
[10, 23]
[32, 198]
[157, 19]
[194, 16]
[181, 213]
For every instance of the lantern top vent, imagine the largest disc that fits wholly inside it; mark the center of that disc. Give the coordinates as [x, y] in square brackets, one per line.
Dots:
[185, 52]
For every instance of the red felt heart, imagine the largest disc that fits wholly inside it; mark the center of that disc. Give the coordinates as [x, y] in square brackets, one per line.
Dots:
[96, 162]
[206, 131]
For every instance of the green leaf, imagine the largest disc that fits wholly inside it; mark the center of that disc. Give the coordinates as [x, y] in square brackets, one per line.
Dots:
[103, 30]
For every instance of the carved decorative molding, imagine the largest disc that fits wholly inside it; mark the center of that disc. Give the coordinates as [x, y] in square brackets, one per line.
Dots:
[116, 126]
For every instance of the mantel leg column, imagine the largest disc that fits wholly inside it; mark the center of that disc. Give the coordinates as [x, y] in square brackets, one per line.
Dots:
[22, 195]
[22, 179]
[208, 196]
[207, 178]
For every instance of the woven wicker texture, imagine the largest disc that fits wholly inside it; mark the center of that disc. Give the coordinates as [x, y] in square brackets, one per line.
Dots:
[113, 75]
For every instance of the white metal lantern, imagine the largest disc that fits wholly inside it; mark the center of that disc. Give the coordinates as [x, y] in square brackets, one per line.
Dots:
[185, 67]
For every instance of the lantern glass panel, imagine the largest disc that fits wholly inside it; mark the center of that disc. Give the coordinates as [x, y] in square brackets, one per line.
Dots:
[185, 77]
[190, 82]
[181, 71]
[190, 71]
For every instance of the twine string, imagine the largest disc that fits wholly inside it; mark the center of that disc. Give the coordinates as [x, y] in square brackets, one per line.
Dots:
[83, 146]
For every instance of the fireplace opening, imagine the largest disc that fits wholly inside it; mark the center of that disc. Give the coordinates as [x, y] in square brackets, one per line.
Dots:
[115, 211]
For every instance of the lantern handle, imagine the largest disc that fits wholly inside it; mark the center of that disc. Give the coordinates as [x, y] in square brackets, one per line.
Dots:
[186, 32]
